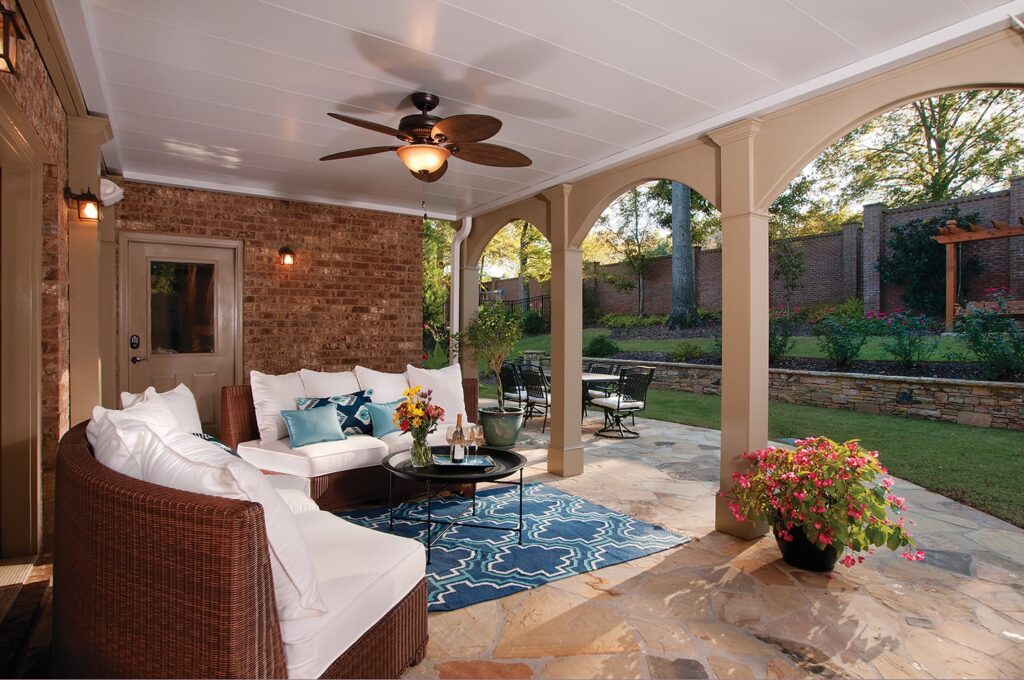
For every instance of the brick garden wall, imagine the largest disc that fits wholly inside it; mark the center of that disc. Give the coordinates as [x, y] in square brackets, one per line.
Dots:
[35, 94]
[968, 402]
[352, 297]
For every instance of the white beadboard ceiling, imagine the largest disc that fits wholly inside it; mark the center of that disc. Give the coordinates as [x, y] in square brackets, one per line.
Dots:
[233, 94]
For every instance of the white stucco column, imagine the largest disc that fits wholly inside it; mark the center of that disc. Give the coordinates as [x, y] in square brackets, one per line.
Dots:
[565, 451]
[468, 302]
[745, 282]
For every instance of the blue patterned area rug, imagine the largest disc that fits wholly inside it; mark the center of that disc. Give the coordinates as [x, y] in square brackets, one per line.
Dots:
[563, 535]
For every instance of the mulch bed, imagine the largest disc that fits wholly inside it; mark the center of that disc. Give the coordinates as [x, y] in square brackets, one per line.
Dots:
[929, 369]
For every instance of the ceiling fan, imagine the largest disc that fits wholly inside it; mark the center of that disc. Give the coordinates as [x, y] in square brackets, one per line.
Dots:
[431, 140]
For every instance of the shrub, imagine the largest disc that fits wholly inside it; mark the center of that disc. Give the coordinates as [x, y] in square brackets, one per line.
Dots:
[780, 336]
[716, 346]
[910, 338]
[710, 315]
[533, 322]
[841, 339]
[632, 321]
[685, 351]
[918, 263]
[601, 346]
[994, 339]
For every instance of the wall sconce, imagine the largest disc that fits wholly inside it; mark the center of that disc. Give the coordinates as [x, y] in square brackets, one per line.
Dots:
[88, 204]
[12, 33]
[287, 256]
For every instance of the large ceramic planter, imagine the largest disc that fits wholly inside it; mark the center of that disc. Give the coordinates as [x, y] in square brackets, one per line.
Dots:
[803, 554]
[501, 429]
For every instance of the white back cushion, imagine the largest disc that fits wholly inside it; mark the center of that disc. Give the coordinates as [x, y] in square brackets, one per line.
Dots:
[116, 447]
[447, 386]
[183, 461]
[385, 386]
[319, 384]
[272, 394]
[180, 400]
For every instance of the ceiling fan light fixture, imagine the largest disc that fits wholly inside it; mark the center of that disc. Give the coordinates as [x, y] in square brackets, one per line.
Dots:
[423, 158]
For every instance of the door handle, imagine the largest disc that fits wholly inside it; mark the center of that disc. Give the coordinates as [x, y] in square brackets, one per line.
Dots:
[136, 360]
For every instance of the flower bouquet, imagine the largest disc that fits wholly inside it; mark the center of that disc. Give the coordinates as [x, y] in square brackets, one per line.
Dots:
[418, 416]
[823, 500]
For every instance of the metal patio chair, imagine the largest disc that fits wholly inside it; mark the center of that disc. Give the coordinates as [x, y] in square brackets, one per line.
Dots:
[512, 384]
[629, 398]
[538, 392]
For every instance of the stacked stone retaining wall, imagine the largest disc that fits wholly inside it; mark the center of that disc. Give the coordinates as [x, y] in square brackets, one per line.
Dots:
[968, 402]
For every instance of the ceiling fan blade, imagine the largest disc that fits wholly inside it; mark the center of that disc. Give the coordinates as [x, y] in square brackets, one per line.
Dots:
[466, 128]
[490, 154]
[431, 176]
[353, 153]
[370, 125]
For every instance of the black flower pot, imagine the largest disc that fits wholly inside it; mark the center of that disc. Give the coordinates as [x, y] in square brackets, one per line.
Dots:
[803, 554]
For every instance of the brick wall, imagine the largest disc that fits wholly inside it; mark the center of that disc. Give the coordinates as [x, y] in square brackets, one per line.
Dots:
[35, 94]
[968, 402]
[352, 297]
[1002, 260]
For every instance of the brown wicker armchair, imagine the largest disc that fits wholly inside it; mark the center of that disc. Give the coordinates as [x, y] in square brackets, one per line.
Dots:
[154, 582]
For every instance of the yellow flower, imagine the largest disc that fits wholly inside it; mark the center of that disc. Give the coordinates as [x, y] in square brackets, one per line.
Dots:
[416, 422]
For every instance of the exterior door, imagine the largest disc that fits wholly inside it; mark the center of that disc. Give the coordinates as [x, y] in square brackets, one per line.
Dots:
[182, 320]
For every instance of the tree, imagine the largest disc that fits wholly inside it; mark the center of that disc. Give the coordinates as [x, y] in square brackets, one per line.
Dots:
[684, 282]
[790, 266]
[437, 252]
[930, 150]
[632, 230]
[520, 251]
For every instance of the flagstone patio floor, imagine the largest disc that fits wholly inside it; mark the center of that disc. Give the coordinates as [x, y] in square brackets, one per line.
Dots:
[726, 608]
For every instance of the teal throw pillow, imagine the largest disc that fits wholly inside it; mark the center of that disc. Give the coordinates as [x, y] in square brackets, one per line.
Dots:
[311, 426]
[381, 415]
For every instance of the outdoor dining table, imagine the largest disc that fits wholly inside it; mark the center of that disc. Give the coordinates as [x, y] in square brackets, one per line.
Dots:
[592, 377]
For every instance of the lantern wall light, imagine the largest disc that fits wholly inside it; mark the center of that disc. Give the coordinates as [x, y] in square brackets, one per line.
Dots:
[88, 204]
[287, 256]
[12, 33]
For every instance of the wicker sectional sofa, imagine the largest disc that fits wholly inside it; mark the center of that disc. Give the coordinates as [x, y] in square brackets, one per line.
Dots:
[154, 582]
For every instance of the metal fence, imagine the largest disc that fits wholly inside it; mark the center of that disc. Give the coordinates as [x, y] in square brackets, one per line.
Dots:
[538, 303]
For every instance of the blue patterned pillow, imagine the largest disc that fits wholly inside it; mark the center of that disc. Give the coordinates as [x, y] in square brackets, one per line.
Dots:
[218, 443]
[353, 416]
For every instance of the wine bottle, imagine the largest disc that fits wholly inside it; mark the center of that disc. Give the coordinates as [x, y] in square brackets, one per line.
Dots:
[458, 442]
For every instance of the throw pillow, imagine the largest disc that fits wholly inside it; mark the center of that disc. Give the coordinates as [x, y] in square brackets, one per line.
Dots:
[386, 386]
[180, 461]
[382, 417]
[446, 384]
[180, 400]
[353, 416]
[113, 444]
[313, 425]
[320, 384]
[272, 394]
[216, 442]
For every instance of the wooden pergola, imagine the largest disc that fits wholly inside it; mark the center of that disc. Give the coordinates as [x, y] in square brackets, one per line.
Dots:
[951, 235]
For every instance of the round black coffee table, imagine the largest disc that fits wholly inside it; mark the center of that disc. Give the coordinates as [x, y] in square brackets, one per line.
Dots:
[506, 463]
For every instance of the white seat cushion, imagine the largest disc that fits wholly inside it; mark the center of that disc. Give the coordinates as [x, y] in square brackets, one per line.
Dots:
[314, 460]
[520, 394]
[296, 500]
[402, 441]
[386, 386]
[319, 384]
[180, 400]
[361, 574]
[596, 394]
[180, 460]
[446, 384]
[538, 400]
[272, 394]
[612, 402]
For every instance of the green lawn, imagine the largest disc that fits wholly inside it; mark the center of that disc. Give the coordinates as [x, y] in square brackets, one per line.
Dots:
[804, 346]
[981, 467]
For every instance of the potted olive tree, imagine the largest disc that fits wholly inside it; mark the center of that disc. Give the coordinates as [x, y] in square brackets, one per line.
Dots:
[489, 340]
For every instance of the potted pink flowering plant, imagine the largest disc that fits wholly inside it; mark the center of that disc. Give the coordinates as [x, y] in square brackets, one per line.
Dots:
[823, 500]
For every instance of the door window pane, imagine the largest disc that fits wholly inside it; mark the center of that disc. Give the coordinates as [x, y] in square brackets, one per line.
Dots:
[181, 308]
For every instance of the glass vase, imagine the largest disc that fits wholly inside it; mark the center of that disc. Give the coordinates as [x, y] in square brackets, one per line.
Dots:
[420, 453]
